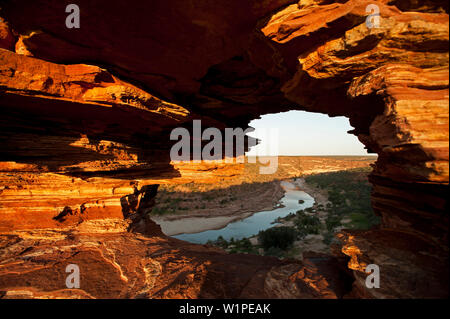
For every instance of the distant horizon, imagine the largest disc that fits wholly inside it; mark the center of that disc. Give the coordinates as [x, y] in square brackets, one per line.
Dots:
[301, 133]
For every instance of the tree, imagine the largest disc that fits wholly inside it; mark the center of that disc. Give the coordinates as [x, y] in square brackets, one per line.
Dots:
[306, 224]
[274, 251]
[278, 237]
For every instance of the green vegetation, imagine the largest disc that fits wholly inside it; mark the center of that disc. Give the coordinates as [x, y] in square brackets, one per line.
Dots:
[276, 242]
[306, 224]
[277, 237]
[227, 192]
[235, 246]
[275, 252]
[349, 194]
[350, 207]
[187, 197]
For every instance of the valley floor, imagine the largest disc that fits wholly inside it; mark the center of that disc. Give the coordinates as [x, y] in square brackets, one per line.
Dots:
[193, 208]
[233, 199]
[342, 201]
[243, 205]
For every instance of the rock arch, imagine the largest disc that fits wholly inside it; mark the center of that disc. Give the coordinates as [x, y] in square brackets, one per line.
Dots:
[86, 113]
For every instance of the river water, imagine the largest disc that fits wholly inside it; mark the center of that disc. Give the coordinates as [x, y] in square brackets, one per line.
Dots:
[250, 226]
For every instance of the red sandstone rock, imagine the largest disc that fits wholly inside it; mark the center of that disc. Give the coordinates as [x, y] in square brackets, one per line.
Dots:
[6, 36]
[406, 274]
[126, 265]
[81, 145]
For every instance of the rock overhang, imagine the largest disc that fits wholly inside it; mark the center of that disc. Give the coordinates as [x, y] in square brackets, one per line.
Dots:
[116, 89]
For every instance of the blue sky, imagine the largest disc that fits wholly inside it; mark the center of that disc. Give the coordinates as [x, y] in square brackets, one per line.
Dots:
[304, 133]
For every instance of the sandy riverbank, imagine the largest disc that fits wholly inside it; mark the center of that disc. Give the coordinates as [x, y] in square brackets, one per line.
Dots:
[311, 242]
[191, 225]
[320, 196]
[219, 217]
[182, 224]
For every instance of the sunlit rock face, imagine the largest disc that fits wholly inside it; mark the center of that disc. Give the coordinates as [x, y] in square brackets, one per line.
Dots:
[86, 116]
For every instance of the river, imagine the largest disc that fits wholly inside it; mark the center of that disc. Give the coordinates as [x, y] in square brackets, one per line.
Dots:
[250, 226]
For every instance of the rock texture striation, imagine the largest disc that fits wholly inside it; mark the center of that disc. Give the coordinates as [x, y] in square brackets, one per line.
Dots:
[86, 116]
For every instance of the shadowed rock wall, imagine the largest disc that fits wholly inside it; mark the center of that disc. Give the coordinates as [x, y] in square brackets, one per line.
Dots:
[86, 116]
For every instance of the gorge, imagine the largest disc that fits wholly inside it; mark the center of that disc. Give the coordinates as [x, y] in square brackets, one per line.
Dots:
[86, 116]
[251, 225]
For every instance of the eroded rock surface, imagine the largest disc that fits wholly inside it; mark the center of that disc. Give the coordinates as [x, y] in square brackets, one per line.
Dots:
[120, 264]
[86, 116]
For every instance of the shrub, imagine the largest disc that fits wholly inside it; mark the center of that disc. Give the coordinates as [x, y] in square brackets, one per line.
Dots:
[221, 242]
[274, 251]
[328, 238]
[306, 224]
[279, 237]
[332, 222]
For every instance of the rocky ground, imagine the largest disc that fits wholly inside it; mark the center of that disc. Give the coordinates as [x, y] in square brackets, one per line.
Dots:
[86, 116]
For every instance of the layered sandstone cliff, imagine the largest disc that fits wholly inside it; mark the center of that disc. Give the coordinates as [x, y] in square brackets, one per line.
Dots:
[86, 116]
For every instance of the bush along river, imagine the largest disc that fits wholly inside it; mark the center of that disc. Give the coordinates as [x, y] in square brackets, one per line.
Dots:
[292, 201]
